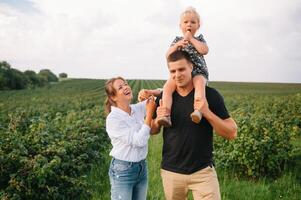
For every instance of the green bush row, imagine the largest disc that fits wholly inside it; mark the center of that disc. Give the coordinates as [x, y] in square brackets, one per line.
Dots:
[267, 128]
[48, 157]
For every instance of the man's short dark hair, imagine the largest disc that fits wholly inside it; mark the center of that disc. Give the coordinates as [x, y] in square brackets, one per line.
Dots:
[178, 55]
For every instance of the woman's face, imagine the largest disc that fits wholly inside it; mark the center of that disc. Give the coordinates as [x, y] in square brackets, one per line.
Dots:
[123, 91]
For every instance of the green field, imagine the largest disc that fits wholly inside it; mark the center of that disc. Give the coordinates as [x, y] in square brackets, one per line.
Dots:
[52, 129]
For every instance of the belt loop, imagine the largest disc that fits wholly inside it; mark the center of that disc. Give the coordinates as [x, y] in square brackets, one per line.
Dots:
[112, 161]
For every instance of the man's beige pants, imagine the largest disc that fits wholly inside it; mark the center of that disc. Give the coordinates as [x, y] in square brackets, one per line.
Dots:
[203, 184]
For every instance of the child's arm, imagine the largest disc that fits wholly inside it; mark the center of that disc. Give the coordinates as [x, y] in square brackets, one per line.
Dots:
[176, 46]
[200, 46]
[145, 94]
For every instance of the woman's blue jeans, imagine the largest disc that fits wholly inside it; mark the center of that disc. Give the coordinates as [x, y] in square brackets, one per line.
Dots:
[128, 180]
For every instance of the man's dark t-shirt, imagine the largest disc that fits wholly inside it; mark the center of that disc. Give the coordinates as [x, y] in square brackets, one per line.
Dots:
[187, 146]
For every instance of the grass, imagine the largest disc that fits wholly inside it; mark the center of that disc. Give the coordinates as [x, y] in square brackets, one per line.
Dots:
[286, 187]
[99, 179]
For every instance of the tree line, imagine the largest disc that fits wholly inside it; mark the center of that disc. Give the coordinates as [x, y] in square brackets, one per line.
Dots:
[13, 79]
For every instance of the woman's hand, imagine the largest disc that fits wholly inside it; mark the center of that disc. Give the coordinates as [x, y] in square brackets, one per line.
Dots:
[150, 109]
[150, 106]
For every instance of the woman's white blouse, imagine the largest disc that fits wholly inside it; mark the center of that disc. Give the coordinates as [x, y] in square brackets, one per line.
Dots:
[128, 133]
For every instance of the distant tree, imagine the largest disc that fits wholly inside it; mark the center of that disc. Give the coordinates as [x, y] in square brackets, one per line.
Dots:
[11, 78]
[42, 80]
[17, 80]
[4, 65]
[48, 75]
[63, 75]
[4, 75]
[33, 79]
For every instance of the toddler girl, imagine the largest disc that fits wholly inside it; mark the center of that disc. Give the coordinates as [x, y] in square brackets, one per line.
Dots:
[196, 47]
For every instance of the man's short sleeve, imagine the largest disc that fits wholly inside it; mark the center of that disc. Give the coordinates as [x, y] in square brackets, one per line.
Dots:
[216, 103]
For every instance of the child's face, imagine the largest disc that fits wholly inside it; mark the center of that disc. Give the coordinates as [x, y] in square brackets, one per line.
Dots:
[189, 22]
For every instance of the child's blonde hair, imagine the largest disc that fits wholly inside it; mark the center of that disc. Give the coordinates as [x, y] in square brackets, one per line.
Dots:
[191, 10]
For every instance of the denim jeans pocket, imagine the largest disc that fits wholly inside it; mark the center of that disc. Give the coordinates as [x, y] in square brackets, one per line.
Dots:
[120, 166]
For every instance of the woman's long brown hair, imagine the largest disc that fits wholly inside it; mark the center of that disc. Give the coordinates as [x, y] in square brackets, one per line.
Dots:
[110, 91]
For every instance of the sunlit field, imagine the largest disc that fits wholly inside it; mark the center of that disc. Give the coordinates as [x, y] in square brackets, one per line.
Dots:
[53, 143]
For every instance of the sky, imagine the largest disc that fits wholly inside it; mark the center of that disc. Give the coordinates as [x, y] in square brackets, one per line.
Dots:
[249, 40]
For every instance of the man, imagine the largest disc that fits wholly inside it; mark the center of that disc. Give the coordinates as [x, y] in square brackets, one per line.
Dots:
[187, 160]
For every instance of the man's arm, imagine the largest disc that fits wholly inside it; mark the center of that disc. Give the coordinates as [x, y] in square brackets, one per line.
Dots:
[226, 128]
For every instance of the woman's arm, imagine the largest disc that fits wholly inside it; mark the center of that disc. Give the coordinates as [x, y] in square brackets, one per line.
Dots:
[119, 130]
[150, 110]
[160, 112]
[155, 127]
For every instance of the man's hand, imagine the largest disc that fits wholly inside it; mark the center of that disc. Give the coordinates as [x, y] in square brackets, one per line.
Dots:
[201, 105]
[226, 128]
[162, 111]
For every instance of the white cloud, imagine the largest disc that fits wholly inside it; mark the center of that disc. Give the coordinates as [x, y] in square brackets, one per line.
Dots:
[100, 39]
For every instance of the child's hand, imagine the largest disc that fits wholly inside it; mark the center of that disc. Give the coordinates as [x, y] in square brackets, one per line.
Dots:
[143, 95]
[188, 36]
[181, 44]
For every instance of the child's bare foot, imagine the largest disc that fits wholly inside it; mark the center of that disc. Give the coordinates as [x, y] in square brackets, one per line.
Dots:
[165, 121]
[196, 116]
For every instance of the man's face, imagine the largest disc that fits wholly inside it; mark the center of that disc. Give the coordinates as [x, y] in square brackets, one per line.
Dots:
[180, 72]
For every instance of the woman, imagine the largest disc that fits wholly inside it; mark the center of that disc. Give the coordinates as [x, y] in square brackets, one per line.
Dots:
[128, 126]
